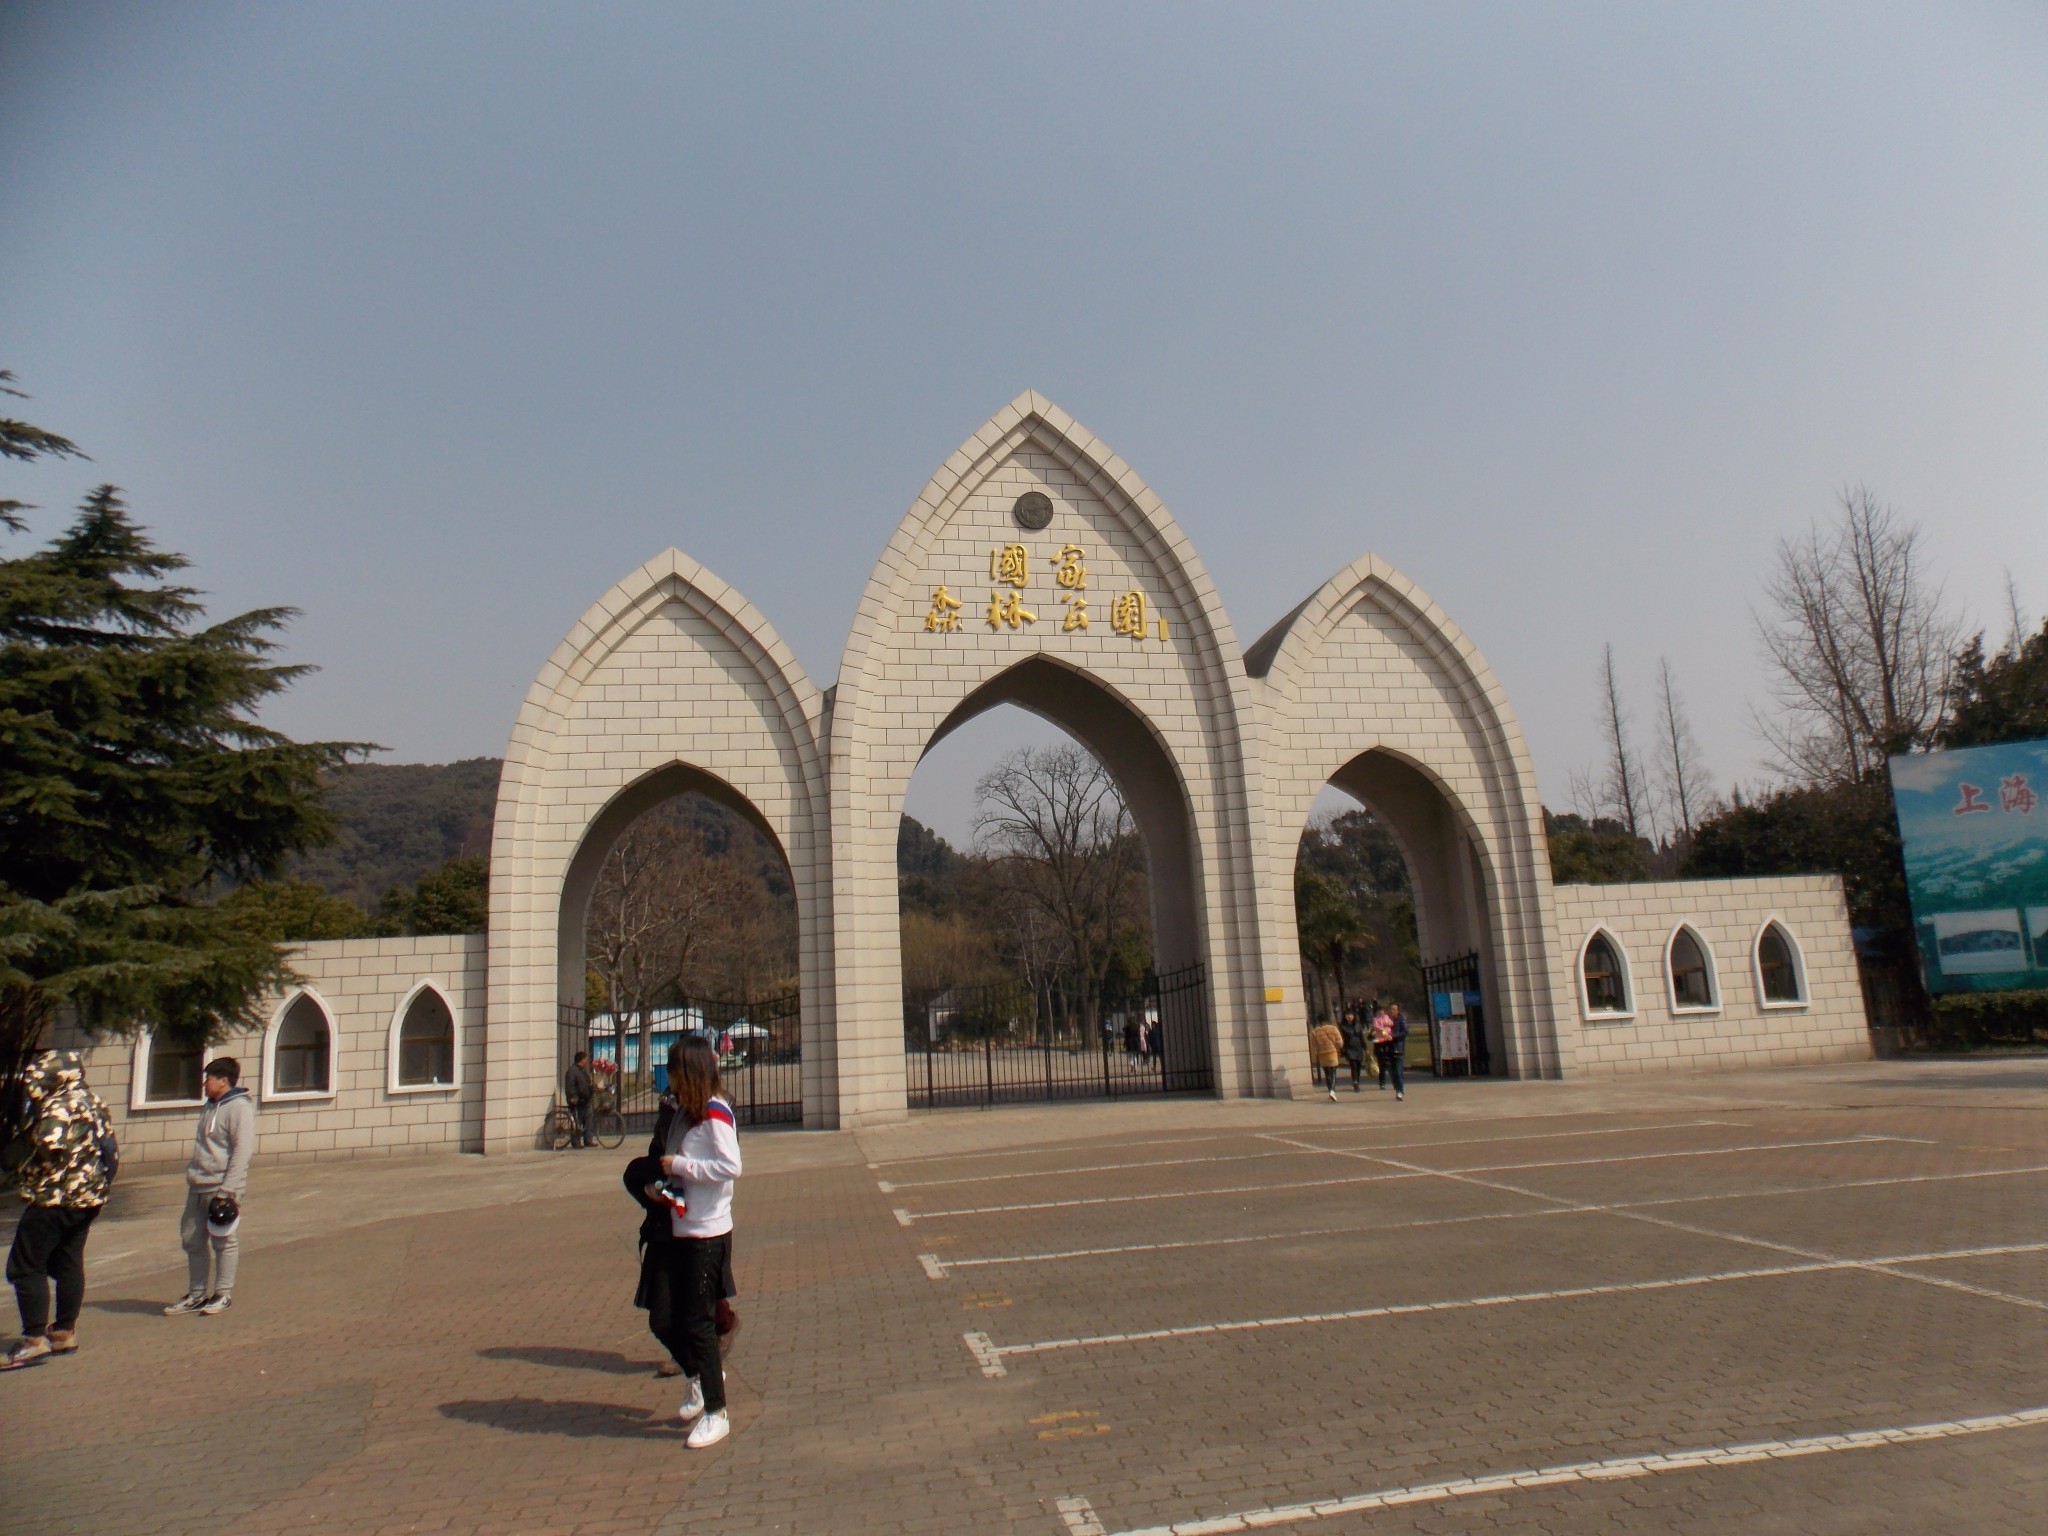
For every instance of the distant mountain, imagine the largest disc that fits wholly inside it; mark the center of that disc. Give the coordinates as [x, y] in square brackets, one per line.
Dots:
[399, 820]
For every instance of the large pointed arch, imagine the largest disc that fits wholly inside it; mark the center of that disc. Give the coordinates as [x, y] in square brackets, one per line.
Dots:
[1368, 670]
[902, 684]
[671, 679]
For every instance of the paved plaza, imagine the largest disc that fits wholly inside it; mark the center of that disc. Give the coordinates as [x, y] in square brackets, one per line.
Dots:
[1808, 1301]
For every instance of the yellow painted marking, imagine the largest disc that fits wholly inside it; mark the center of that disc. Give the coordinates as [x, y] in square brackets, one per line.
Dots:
[1276, 994]
[984, 1302]
[1073, 1432]
[1054, 1418]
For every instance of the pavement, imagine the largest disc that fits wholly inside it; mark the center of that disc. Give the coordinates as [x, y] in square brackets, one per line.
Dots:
[1804, 1301]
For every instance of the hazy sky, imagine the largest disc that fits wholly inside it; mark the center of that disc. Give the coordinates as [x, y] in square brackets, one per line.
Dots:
[435, 320]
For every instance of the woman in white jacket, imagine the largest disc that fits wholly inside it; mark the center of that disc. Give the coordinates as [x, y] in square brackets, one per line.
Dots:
[701, 1160]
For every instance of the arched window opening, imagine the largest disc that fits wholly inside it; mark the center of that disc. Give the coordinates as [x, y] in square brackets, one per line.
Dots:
[170, 1072]
[1692, 972]
[1604, 975]
[1777, 965]
[426, 1042]
[302, 1050]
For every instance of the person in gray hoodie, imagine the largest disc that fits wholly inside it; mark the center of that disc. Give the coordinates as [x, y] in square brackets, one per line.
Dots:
[221, 1152]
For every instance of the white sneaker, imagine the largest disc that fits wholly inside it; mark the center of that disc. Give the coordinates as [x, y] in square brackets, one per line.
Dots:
[215, 1305]
[710, 1429]
[188, 1303]
[693, 1405]
[1333, 1095]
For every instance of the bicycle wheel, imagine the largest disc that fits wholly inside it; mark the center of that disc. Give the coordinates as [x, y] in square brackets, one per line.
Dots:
[558, 1131]
[609, 1127]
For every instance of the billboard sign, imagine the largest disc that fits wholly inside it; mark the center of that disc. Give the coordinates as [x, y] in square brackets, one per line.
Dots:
[1975, 827]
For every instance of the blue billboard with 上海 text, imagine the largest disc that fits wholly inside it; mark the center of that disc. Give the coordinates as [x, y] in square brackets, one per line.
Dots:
[1976, 841]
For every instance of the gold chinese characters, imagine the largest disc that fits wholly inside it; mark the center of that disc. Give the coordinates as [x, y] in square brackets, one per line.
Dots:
[1131, 614]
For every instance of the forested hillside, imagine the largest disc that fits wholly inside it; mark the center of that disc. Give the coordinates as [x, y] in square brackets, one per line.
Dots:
[400, 820]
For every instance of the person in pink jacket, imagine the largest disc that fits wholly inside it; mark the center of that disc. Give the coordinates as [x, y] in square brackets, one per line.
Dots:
[700, 1161]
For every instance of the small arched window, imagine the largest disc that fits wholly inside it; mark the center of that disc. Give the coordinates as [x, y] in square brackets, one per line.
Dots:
[302, 1050]
[1692, 972]
[1604, 976]
[1779, 975]
[167, 1073]
[425, 1043]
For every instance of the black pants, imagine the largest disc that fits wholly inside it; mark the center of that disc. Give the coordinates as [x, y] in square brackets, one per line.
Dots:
[579, 1115]
[49, 1245]
[695, 1268]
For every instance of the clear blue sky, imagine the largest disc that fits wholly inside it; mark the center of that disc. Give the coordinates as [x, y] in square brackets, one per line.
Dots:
[434, 320]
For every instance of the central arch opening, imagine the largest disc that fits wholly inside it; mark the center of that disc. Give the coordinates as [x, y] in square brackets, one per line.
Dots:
[679, 916]
[1050, 927]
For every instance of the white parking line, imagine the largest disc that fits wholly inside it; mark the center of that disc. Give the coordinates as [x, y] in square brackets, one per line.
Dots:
[990, 1356]
[908, 1216]
[1080, 1518]
[890, 1188]
[936, 1266]
[1874, 1266]
[1077, 1146]
[1411, 1170]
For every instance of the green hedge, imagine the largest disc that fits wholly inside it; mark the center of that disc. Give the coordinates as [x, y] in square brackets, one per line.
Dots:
[1991, 1018]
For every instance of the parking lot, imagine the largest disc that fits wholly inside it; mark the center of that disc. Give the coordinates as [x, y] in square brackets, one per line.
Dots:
[1520, 1324]
[1804, 1301]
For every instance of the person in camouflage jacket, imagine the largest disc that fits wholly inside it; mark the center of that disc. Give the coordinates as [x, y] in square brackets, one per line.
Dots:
[65, 1180]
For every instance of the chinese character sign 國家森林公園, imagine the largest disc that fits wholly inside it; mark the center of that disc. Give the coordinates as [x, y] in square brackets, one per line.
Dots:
[1132, 615]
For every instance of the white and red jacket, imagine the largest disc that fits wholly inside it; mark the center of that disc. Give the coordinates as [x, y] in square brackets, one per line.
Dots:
[704, 1159]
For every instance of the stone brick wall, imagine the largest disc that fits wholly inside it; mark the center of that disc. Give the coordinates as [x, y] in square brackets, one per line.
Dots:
[1728, 915]
[362, 984]
[672, 681]
[1369, 685]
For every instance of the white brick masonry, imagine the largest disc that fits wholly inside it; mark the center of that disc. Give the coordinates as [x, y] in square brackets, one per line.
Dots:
[1370, 686]
[673, 681]
[362, 985]
[1728, 916]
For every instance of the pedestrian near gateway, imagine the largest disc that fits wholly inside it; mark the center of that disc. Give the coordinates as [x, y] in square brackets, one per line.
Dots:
[1390, 1045]
[578, 1089]
[1354, 1030]
[216, 1184]
[700, 1162]
[68, 1171]
[1326, 1047]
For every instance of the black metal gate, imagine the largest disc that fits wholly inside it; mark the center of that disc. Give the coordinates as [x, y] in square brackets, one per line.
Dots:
[1016, 1043]
[1451, 991]
[759, 1044]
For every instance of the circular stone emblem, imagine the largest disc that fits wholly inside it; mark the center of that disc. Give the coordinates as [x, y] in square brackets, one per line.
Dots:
[1033, 510]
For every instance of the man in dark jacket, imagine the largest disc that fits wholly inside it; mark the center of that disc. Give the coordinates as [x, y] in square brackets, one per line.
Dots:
[65, 1180]
[577, 1091]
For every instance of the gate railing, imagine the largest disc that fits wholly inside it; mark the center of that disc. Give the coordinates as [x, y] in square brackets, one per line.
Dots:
[1012, 1042]
[1457, 979]
[759, 1044]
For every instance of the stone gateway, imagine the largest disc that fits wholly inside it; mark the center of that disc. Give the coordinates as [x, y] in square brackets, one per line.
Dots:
[1037, 569]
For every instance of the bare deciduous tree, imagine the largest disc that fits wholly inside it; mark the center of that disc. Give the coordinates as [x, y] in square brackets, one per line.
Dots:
[1861, 641]
[1069, 857]
[652, 912]
[1686, 788]
[1626, 791]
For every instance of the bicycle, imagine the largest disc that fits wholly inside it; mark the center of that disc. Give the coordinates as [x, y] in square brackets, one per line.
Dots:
[607, 1125]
